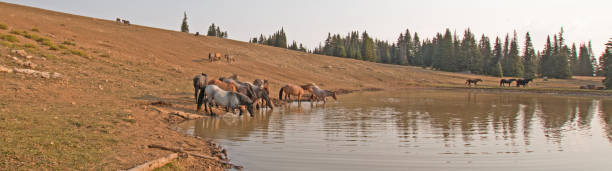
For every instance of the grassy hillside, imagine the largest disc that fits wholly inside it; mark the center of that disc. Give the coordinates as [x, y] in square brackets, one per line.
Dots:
[95, 115]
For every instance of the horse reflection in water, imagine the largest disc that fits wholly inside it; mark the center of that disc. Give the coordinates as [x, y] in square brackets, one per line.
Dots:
[231, 126]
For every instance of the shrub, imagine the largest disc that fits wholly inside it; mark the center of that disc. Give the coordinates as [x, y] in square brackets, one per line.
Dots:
[35, 29]
[53, 47]
[68, 43]
[61, 46]
[49, 56]
[15, 32]
[105, 55]
[78, 52]
[9, 38]
[30, 46]
[3, 26]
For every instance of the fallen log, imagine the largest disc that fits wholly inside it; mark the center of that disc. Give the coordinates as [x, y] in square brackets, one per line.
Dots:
[184, 115]
[177, 150]
[151, 165]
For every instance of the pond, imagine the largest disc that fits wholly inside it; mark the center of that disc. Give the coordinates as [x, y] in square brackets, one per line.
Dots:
[421, 129]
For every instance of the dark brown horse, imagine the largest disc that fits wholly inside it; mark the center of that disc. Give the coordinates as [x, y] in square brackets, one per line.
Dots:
[469, 82]
[503, 82]
[523, 82]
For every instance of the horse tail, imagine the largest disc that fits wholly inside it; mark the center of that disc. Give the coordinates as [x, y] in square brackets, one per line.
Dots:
[280, 94]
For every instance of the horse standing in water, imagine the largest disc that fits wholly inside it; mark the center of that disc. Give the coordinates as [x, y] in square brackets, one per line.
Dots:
[232, 100]
[323, 94]
[199, 83]
[289, 90]
[523, 82]
[469, 82]
[503, 82]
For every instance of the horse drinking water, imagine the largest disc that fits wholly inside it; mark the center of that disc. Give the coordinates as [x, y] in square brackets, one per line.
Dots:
[233, 100]
[318, 93]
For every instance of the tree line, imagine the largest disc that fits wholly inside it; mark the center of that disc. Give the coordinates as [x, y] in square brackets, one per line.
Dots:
[447, 52]
[278, 39]
[212, 29]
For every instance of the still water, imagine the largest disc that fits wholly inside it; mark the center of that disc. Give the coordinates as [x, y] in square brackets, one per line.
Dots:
[421, 130]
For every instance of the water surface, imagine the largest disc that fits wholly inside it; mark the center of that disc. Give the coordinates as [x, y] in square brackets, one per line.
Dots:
[421, 130]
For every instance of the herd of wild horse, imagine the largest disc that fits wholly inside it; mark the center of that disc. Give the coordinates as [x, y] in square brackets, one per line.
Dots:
[502, 82]
[232, 93]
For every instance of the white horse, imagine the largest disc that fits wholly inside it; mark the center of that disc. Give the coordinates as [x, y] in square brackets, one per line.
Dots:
[232, 100]
[318, 93]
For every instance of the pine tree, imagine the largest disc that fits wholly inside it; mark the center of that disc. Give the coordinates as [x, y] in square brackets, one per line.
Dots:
[584, 65]
[368, 51]
[497, 58]
[574, 67]
[486, 52]
[212, 30]
[184, 26]
[529, 58]
[606, 58]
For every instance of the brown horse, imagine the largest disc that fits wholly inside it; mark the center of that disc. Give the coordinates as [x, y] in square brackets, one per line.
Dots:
[289, 90]
[469, 82]
[223, 85]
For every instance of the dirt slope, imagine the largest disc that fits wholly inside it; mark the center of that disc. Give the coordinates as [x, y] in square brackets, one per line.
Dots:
[96, 115]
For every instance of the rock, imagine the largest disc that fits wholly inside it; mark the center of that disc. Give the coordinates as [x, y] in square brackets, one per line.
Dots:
[73, 103]
[5, 69]
[21, 53]
[56, 75]
[29, 57]
[43, 58]
[45, 74]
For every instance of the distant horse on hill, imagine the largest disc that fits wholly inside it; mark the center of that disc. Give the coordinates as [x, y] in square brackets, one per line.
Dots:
[469, 82]
[523, 82]
[503, 82]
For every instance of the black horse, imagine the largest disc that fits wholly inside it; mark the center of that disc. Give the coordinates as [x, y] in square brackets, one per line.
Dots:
[503, 82]
[469, 82]
[523, 82]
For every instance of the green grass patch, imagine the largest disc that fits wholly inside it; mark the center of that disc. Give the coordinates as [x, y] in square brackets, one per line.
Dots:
[30, 46]
[5, 43]
[105, 55]
[15, 32]
[68, 43]
[49, 56]
[10, 38]
[61, 46]
[35, 29]
[168, 167]
[3, 26]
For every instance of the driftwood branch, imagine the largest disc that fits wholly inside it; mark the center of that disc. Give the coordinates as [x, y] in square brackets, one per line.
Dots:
[183, 115]
[178, 150]
[151, 165]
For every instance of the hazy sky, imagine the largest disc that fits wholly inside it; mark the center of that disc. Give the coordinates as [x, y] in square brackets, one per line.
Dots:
[310, 21]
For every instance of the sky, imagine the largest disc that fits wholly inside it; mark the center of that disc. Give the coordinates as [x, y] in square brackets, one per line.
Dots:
[309, 22]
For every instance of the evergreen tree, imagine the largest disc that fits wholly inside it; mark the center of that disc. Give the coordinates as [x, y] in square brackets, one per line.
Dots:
[488, 63]
[368, 51]
[562, 59]
[606, 58]
[212, 30]
[546, 61]
[584, 65]
[497, 58]
[184, 26]
[529, 58]
[574, 68]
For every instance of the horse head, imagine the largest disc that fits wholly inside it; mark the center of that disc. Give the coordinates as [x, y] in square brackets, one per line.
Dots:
[334, 95]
